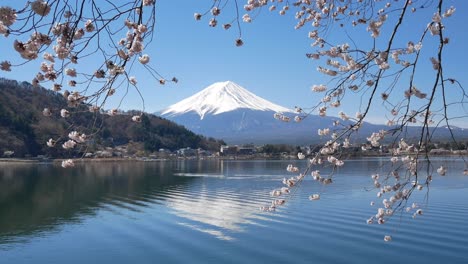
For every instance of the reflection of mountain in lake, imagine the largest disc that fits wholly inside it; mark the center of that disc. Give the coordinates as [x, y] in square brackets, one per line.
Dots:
[207, 212]
[35, 198]
[43, 198]
[218, 211]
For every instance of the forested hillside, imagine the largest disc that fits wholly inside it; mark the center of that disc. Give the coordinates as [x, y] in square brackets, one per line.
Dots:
[25, 131]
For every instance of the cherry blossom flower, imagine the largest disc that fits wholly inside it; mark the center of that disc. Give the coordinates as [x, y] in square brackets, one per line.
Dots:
[327, 71]
[298, 119]
[112, 112]
[89, 26]
[142, 28]
[323, 111]
[48, 56]
[246, 18]
[64, 113]
[122, 54]
[442, 170]
[435, 63]
[69, 144]
[78, 34]
[35, 82]
[51, 143]
[70, 72]
[280, 202]
[111, 92]
[5, 66]
[100, 74]
[40, 7]
[4, 30]
[148, 2]
[323, 132]
[94, 109]
[343, 116]
[46, 112]
[292, 168]
[144, 59]
[68, 163]
[136, 119]
[213, 22]
[137, 46]
[314, 197]
[79, 138]
[275, 193]
[335, 104]
[7, 16]
[449, 12]
[285, 190]
[374, 26]
[326, 99]
[215, 11]
[346, 143]
[319, 88]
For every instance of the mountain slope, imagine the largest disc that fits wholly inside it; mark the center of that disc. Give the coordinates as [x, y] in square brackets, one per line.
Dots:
[24, 130]
[227, 111]
[221, 97]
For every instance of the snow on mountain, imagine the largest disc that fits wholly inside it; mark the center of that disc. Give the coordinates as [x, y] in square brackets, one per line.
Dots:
[219, 98]
[225, 110]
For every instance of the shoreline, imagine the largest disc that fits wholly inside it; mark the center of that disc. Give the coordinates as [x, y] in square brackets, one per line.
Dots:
[147, 159]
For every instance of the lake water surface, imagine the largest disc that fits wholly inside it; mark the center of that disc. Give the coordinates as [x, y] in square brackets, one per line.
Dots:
[208, 212]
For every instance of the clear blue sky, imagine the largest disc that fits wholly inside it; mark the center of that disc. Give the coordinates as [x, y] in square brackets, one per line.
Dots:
[271, 64]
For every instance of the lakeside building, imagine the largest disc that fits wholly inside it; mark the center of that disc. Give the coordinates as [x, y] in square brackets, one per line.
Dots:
[237, 150]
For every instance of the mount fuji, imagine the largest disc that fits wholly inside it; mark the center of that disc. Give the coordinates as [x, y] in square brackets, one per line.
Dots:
[221, 97]
[227, 111]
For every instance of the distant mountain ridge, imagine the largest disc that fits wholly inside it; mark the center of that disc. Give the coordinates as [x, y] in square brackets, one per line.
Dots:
[227, 111]
[230, 112]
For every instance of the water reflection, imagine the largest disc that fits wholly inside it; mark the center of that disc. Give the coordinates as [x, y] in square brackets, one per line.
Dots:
[222, 199]
[218, 211]
[39, 198]
[36, 198]
[200, 212]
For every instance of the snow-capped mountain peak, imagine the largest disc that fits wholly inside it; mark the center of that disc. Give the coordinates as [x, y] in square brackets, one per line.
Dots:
[221, 97]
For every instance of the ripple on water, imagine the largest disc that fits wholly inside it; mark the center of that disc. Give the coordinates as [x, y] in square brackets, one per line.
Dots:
[215, 218]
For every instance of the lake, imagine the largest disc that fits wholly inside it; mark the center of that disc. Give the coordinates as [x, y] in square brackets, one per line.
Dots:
[207, 211]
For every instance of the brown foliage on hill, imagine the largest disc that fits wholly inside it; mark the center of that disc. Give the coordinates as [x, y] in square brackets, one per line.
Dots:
[24, 130]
